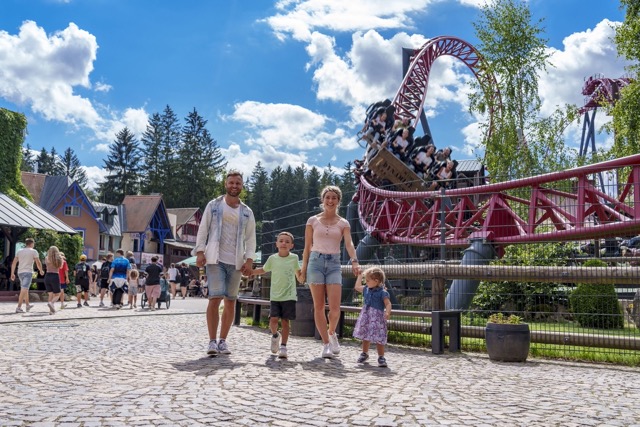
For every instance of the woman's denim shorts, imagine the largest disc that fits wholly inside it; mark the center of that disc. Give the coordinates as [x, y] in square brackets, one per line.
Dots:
[324, 269]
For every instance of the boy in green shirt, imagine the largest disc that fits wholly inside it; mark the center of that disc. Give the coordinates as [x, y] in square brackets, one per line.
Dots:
[285, 269]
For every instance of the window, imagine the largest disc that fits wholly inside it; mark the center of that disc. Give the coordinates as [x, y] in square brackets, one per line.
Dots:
[70, 210]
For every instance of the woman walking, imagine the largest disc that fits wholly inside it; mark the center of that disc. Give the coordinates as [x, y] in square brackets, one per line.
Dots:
[321, 265]
[53, 263]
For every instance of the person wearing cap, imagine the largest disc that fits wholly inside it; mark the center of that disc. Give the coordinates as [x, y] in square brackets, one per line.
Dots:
[83, 276]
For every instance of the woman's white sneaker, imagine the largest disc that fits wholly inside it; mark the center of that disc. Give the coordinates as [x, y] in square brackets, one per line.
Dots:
[333, 342]
[326, 351]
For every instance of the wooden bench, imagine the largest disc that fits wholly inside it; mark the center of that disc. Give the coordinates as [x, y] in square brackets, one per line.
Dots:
[438, 319]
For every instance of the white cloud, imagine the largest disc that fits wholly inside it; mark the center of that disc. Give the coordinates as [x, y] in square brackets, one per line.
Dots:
[299, 19]
[133, 118]
[102, 87]
[41, 71]
[270, 158]
[95, 175]
[284, 126]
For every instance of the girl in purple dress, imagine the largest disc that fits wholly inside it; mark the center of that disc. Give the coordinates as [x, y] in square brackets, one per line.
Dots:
[371, 326]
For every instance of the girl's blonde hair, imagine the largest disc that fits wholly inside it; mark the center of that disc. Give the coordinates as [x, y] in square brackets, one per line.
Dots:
[54, 257]
[375, 273]
[134, 274]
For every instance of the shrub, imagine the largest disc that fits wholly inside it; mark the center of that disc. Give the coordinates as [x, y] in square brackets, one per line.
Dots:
[537, 301]
[596, 305]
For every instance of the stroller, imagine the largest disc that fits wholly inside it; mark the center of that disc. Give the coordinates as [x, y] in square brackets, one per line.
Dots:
[165, 295]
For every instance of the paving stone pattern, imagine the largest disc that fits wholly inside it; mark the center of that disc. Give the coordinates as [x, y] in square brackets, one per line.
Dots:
[141, 369]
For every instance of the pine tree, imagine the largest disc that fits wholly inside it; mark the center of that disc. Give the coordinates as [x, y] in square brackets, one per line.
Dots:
[200, 163]
[313, 190]
[168, 161]
[122, 165]
[72, 168]
[28, 163]
[153, 175]
[44, 162]
[258, 191]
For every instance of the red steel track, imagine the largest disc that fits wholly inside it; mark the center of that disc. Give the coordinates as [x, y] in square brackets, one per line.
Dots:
[559, 206]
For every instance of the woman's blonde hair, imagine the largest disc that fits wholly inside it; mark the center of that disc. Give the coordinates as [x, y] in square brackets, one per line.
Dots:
[332, 189]
[375, 273]
[54, 257]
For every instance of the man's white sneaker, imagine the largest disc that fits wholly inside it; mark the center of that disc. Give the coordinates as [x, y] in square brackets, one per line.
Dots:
[275, 343]
[29, 307]
[20, 310]
[326, 351]
[223, 348]
[335, 345]
[213, 348]
[51, 308]
[282, 354]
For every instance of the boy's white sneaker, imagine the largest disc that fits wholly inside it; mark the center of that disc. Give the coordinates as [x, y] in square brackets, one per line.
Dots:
[335, 345]
[275, 343]
[326, 351]
[282, 354]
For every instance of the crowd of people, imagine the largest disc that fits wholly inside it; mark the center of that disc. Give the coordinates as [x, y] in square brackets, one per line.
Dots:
[226, 244]
[382, 131]
[114, 276]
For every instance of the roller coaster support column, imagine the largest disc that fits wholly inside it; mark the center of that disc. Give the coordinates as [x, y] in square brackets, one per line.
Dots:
[463, 290]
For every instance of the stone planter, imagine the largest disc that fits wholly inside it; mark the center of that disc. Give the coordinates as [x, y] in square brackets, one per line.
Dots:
[508, 342]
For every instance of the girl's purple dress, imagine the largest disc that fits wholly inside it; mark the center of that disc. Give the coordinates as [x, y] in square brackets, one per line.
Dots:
[371, 324]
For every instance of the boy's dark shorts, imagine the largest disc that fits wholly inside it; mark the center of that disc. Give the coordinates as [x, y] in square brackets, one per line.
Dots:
[283, 310]
[104, 283]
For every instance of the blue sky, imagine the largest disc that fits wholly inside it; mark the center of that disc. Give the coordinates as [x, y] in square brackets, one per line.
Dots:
[285, 83]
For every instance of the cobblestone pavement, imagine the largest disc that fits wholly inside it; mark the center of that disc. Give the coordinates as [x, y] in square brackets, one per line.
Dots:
[134, 368]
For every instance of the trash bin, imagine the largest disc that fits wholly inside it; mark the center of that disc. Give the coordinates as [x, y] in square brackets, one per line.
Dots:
[304, 325]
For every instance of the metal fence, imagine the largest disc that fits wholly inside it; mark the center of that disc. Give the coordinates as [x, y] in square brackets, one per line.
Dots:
[579, 297]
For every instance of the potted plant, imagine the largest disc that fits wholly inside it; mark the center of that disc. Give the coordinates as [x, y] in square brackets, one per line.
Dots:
[507, 338]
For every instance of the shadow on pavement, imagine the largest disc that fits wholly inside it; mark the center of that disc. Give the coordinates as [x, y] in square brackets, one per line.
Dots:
[328, 367]
[207, 365]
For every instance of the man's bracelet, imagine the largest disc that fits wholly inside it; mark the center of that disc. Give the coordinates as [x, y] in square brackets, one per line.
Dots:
[354, 260]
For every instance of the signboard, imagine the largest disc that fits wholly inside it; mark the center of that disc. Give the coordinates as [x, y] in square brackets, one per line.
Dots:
[145, 258]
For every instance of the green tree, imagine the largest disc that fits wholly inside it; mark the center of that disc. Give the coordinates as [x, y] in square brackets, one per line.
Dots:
[28, 162]
[72, 168]
[515, 53]
[313, 189]
[154, 176]
[123, 168]
[45, 162]
[258, 191]
[200, 165]
[626, 111]
[171, 133]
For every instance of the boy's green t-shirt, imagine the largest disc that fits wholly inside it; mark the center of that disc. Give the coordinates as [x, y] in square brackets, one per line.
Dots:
[283, 276]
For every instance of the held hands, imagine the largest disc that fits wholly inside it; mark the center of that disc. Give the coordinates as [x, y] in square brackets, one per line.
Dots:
[247, 268]
[201, 260]
[387, 315]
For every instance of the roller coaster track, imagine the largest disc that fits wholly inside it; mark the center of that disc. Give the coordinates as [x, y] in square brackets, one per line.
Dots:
[559, 206]
[410, 98]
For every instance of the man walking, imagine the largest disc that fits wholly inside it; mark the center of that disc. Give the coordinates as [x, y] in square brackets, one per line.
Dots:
[25, 259]
[118, 278]
[226, 244]
[83, 276]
